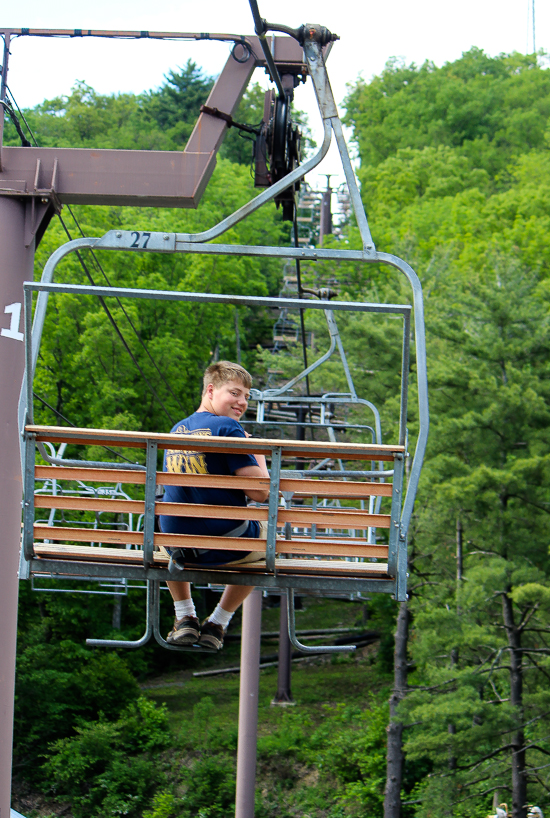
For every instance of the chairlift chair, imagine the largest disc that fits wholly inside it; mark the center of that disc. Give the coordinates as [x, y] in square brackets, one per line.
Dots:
[52, 550]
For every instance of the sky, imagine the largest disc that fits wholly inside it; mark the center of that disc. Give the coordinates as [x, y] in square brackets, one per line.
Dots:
[370, 34]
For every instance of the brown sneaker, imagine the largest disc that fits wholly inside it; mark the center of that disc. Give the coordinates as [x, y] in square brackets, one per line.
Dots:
[186, 631]
[211, 635]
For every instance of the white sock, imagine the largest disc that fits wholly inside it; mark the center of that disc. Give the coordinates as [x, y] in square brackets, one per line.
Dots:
[221, 617]
[184, 607]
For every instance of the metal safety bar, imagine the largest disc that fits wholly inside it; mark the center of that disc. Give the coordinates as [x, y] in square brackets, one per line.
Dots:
[251, 301]
[152, 628]
[294, 640]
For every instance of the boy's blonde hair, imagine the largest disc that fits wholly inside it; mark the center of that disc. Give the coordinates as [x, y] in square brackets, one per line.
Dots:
[224, 371]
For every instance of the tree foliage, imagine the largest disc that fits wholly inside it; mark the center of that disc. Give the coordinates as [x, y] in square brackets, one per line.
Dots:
[455, 173]
[492, 108]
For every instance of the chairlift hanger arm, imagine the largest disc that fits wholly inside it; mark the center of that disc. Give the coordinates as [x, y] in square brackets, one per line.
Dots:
[139, 178]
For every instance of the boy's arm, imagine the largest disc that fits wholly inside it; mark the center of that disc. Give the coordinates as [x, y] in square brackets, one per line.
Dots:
[260, 495]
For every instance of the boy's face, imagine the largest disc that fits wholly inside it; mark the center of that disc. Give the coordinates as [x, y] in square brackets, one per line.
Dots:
[229, 400]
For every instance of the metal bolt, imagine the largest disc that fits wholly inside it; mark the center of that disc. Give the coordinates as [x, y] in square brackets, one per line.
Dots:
[118, 234]
[44, 201]
[166, 238]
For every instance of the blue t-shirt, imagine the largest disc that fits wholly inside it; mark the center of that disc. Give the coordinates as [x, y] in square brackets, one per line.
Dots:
[191, 462]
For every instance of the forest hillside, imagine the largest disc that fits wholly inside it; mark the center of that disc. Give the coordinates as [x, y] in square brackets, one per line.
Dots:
[455, 178]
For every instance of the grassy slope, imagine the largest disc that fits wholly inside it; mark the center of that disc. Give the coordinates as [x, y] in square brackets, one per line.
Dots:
[302, 750]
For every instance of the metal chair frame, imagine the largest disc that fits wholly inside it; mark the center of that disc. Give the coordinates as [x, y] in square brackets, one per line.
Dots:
[139, 241]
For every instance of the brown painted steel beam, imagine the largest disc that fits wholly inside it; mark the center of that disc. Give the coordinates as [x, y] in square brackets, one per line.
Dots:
[140, 178]
[16, 262]
[105, 177]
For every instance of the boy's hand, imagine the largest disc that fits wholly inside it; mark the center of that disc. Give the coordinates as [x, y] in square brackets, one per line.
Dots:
[247, 434]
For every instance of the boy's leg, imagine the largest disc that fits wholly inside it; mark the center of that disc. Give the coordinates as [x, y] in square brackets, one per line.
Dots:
[186, 630]
[179, 590]
[213, 628]
[233, 596]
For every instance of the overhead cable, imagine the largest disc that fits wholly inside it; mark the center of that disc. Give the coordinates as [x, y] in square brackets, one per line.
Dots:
[22, 115]
[127, 316]
[116, 328]
[17, 125]
[59, 415]
[109, 315]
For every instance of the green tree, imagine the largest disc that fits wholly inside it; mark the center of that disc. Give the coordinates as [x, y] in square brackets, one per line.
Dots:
[482, 646]
[175, 107]
[160, 119]
[492, 108]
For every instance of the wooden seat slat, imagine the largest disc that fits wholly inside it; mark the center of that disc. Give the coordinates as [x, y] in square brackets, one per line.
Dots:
[126, 556]
[302, 487]
[89, 475]
[335, 488]
[80, 503]
[290, 448]
[352, 547]
[330, 566]
[94, 553]
[51, 532]
[349, 548]
[116, 505]
[333, 518]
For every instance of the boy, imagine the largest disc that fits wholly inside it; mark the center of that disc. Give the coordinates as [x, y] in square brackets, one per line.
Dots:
[226, 389]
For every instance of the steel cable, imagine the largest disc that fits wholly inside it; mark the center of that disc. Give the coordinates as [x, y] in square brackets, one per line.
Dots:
[107, 311]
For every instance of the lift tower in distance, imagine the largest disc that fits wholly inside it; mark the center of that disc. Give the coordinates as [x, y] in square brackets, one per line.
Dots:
[35, 183]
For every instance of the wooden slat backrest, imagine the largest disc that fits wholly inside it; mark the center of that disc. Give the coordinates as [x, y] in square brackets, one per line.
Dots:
[199, 443]
[303, 487]
[319, 519]
[323, 518]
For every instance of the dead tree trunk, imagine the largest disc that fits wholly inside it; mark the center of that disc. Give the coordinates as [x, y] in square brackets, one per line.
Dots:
[454, 651]
[519, 778]
[394, 755]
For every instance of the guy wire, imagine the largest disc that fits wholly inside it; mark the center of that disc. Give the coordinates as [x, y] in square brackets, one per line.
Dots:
[59, 415]
[107, 311]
